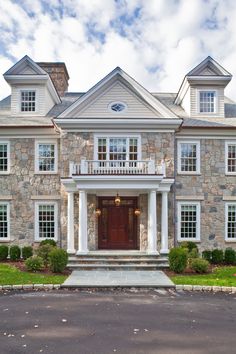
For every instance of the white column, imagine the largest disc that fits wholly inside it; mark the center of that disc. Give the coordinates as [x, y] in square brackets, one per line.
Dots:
[83, 232]
[70, 223]
[164, 223]
[152, 222]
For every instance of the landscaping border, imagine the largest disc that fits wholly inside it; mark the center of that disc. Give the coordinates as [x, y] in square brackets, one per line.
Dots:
[30, 287]
[212, 288]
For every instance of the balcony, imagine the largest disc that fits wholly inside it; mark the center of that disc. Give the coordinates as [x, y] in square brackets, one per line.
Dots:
[119, 167]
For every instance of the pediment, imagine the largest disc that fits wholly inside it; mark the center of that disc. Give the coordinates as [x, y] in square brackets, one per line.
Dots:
[117, 87]
[208, 67]
[25, 66]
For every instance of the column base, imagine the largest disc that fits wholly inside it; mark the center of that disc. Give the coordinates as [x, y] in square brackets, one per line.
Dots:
[70, 251]
[154, 253]
[80, 253]
[164, 251]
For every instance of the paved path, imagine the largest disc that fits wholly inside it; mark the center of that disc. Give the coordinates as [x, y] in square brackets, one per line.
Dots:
[120, 278]
[125, 322]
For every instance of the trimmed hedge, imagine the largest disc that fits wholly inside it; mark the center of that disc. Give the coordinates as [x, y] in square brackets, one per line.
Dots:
[217, 256]
[14, 253]
[43, 252]
[27, 252]
[48, 242]
[230, 256]
[58, 259]
[200, 265]
[3, 252]
[34, 263]
[178, 259]
[207, 255]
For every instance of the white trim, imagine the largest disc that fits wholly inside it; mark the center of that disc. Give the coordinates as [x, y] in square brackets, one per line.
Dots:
[227, 143]
[46, 197]
[118, 135]
[227, 239]
[198, 161]
[7, 142]
[216, 101]
[36, 220]
[189, 197]
[6, 239]
[36, 159]
[28, 89]
[198, 221]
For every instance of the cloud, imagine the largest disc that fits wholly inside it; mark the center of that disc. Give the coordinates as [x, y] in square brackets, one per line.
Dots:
[156, 41]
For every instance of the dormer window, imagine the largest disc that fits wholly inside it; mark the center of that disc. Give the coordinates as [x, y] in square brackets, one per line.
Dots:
[207, 101]
[28, 101]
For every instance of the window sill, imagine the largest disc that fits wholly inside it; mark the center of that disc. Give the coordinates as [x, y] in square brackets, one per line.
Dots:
[189, 174]
[46, 173]
[230, 240]
[45, 238]
[230, 174]
[5, 240]
[4, 173]
[189, 239]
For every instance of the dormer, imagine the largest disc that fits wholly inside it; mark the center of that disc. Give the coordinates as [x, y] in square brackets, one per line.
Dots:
[32, 90]
[202, 91]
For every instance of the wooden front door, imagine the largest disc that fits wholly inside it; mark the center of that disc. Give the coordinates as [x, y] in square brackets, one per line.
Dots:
[117, 225]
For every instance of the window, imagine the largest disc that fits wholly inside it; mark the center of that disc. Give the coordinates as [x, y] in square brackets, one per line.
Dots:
[28, 99]
[230, 151]
[117, 107]
[207, 101]
[46, 157]
[4, 157]
[4, 222]
[118, 148]
[189, 221]
[188, 157]
[230, 222]
[46, 221]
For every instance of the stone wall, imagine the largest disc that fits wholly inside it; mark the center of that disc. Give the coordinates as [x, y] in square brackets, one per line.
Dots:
[212, 184]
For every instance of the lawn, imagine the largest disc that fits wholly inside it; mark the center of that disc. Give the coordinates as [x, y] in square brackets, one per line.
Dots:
[10, 275]
[221, 276]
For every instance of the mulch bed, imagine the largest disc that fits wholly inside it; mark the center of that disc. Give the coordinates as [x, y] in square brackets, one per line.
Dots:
[21, 266]
[188, 271]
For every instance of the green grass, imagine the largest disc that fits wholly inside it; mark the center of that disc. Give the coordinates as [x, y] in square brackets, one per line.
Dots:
[222, 276]
[10, 275]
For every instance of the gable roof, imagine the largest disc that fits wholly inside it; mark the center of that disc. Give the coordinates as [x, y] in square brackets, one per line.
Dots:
[210, 63]
[139, 90]
[20, 66]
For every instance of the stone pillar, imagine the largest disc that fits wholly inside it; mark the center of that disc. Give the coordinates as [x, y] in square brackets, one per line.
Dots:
[164, 223]
[83, 230]
[152, 222]
[70, 223]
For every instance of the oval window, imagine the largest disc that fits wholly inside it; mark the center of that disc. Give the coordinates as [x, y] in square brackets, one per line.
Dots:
[117, 107]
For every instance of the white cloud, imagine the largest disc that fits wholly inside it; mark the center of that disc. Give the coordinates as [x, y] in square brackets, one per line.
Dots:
[155, 41]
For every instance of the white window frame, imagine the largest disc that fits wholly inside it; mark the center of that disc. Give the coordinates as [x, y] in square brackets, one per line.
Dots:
[215, 101]
[198, 229]
[6, 239]
[227, 143]
[119, 135]
[51, 142]
[228, 239]
[198, 161]
[29, 89]
[6, 142]
[36, 221]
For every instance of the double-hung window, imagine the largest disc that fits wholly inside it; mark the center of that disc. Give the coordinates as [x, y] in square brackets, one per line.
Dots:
[230, 158]
[4, 157]
[118, 149]
[189, 221]
[46, 220]
[46, 157]
[207, 101]
[4, 221]
[188, 157]
[28, 101]
[230, 229]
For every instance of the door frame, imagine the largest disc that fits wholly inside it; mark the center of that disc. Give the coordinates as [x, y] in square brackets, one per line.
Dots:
[101, 244]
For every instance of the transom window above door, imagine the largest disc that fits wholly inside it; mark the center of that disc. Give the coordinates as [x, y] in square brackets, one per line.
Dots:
[118, 148]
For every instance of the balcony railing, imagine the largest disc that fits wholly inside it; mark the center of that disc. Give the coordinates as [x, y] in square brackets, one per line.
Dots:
[119, 167]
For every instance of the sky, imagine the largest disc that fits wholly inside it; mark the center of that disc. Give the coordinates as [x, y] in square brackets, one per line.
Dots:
[155, 41]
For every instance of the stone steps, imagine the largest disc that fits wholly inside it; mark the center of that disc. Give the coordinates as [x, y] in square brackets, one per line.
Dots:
[122, 261]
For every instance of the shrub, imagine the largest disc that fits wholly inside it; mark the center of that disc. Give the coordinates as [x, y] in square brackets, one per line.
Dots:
[27, 252]
[207, 255]
[217, 256]
[3, 252]
[200, 265]
[34, 263]
[43, 252]
[48, 242]
[14, 253]
[178, 259]
[189, 245]
[58, 260]
[230, 256]
[192, 255]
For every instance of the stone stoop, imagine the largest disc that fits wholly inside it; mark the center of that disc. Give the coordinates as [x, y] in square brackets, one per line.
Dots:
[106, 260]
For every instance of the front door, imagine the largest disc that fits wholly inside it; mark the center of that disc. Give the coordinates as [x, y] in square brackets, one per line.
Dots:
[117, 225]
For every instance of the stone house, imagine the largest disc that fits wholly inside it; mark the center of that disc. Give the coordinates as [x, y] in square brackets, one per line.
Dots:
[117, 167]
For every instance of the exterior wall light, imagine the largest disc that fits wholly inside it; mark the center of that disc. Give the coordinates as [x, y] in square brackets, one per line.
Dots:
[98, 212]
[117, 200]
[137, 212]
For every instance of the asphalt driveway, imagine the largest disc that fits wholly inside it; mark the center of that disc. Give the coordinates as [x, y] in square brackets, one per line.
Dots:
[117, 322]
